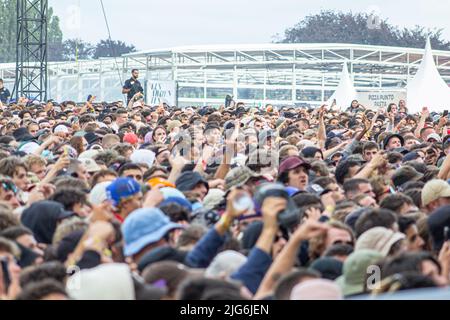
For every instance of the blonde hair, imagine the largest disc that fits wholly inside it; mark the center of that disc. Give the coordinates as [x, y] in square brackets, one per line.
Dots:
[32, 159]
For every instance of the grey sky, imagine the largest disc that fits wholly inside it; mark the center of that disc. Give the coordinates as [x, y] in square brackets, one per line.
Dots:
[165, 23]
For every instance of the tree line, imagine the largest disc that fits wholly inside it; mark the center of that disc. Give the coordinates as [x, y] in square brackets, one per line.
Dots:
[58, 49]
[359, 28]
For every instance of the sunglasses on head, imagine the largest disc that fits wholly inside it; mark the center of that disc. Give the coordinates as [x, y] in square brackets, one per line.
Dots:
[8, 186]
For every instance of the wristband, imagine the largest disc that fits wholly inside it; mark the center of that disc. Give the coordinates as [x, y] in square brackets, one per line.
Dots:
[329, 209]
[226, 221]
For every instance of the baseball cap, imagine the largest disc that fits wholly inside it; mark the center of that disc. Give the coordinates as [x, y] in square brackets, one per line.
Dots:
[88, 154]
[98, 193]
[143, 227]
[354, 272]
[330, 268]
[122, 188]
[188, 180]
[130, 137]
[91, 165]
[379, 239]
[434, 136]
[291, 163]
[405, 174]
[61, 128]
[410, 156]
[238, 176]
[143, 156]
[153, 182]
[434, 190]
[213, 198]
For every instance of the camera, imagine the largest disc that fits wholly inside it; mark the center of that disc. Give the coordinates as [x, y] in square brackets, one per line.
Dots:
[289, 217]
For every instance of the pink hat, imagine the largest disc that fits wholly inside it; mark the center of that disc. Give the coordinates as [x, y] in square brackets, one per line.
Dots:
[316, 289]
[292, 162]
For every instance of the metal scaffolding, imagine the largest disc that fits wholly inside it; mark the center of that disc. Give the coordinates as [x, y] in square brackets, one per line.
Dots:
[255, 74]
[31, 50]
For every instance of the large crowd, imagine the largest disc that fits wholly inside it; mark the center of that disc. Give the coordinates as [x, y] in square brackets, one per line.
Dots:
[132, 201]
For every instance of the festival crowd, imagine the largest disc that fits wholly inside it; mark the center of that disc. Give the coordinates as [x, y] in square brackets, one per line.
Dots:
[136, 202]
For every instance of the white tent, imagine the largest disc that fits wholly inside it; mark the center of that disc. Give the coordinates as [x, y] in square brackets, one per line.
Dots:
[427, 88]
[345, 93]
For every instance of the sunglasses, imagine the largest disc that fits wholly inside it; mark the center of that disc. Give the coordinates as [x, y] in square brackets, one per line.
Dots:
[350, 243]
[8, 186]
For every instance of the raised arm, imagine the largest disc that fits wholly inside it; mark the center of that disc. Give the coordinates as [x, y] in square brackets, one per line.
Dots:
[285, 261]
[230, 149]
[421, 124]
[378, 161]
[322, 133]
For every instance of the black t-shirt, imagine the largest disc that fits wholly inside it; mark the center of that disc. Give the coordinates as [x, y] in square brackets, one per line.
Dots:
[135, 87]
[4, 95]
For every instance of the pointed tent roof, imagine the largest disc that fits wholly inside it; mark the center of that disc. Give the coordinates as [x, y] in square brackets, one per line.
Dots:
[427, 88]
[345, 92]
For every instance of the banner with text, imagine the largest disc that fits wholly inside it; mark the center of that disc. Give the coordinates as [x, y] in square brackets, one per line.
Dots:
[375, 100]
[161, 91]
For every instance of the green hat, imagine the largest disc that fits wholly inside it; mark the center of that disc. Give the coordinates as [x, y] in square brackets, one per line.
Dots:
[355, 273]
[239, 176]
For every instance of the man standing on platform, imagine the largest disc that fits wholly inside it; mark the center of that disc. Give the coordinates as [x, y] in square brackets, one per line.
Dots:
[132, 85]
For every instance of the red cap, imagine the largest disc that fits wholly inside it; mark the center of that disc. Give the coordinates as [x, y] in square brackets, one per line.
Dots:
[291, 163]
[130, 137]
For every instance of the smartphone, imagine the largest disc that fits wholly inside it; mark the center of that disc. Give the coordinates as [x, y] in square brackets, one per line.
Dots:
[5, 271]
[446, 235]
[445, 114]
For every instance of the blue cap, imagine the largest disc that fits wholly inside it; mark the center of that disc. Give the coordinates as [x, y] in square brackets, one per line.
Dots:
[180, 201]
[122, 188]
[291, 191]
[169, 192]
[143, 227]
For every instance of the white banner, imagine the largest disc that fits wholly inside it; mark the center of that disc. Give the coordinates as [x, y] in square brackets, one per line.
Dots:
[375, 100]
[161, 91]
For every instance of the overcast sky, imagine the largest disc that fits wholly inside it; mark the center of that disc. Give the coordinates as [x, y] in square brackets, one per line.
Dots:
[152, 24]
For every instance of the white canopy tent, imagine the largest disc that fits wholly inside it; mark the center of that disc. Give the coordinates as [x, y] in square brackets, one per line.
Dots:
[427, 88]
[345, 93]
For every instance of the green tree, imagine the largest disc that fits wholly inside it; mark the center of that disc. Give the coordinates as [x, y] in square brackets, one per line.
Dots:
[54, 37]
[8, 26]
[360, 28]
[8, 32]
[77, 49]
[107, 48]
